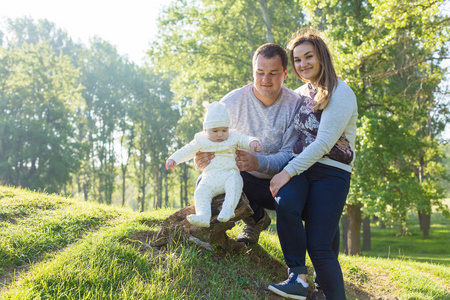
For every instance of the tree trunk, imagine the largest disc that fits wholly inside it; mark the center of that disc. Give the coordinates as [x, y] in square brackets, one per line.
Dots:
[204, 237]
[110, 172]
[425, 222]
[344, 223]
[367, 245]
[100, 190]
[185, 184]
[124, 171]
[86, 191]
[424, 217]
[375, 219]
[166, 188]
[181, 194]
[249, 36]
[403, 228]
[158, 187]
[267, 20]
[142, 184]
[354, 232]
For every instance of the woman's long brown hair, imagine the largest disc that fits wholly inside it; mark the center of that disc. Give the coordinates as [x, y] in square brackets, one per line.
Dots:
[327, 79]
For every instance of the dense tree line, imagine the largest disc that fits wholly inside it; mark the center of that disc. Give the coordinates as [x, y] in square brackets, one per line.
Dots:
[86, 118]
[81, 117]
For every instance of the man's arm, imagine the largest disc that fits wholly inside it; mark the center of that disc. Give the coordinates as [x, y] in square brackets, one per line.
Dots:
[271, 164]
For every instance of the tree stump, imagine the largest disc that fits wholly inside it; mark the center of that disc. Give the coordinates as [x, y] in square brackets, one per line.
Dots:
[205, 237]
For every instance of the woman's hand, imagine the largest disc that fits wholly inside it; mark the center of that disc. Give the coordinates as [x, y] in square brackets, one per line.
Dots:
[202, 159]
[278, 181]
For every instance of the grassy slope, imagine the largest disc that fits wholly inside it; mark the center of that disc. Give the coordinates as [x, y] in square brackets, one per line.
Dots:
[57, 248]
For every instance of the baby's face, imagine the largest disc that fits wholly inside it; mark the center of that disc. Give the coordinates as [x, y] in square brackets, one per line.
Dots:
[218, 134]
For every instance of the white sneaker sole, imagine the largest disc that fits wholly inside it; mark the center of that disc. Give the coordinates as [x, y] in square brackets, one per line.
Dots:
[283, 294]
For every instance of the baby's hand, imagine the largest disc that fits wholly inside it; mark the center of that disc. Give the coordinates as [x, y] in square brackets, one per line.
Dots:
[256, 146]
[170, 164]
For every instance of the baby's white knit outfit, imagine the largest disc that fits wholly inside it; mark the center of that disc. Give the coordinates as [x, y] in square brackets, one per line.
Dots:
[221, 175]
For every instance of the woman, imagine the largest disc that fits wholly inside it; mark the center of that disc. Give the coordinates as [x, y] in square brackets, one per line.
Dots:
[315, 183]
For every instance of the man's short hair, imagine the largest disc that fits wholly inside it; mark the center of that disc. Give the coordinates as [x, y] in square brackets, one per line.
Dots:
[270, 50]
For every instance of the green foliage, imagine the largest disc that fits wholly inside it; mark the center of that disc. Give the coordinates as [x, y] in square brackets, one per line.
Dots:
[154, 120]
[106, 77]
[86, 107]
[213, 44]
[445, 181]
[25, 30]
[39, 95]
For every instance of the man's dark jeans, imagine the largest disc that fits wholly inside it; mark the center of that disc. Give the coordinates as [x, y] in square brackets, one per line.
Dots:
[258, 194]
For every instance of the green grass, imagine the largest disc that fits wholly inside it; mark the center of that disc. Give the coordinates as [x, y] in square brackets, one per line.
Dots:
[387, 243]
[65, 249]
[34, 224]
[404, 279]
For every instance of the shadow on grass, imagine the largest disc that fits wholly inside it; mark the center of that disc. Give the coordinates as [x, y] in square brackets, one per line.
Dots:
[250, 271]
[355, 292]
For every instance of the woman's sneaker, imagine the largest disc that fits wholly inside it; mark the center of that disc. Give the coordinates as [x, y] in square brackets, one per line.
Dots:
[290, 288]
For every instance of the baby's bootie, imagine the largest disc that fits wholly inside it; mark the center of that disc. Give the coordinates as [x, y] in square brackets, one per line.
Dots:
[225, 214]
[200, 221]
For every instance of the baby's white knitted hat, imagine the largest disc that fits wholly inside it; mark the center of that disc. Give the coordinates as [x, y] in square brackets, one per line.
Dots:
[216, 115]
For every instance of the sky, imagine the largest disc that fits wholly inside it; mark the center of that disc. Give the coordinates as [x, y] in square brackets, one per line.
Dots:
[129, 25]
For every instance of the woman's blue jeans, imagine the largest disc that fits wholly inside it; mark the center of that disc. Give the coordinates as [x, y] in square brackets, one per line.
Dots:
[319, 194]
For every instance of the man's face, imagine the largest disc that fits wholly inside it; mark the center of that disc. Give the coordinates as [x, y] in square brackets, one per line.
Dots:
[268, 78]
[218, 134]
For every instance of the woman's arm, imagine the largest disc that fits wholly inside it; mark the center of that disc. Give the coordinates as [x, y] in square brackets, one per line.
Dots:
[334, 120]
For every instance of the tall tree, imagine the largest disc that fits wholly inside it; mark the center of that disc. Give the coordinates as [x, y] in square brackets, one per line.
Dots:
[39, 96]
[154, 120]
[105, 77]
[26, 30]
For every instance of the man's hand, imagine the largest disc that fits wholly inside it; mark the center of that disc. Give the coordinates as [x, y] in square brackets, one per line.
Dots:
[255, 146]
[246, 161]
[170, 164]
[202, 159]
[278, 181]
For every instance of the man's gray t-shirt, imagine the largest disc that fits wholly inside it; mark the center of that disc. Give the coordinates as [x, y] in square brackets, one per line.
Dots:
[273, 125]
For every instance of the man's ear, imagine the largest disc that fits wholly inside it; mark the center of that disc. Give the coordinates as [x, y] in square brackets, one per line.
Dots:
[285, 73]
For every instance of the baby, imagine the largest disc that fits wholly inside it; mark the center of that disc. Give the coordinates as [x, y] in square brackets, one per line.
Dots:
[221, 175]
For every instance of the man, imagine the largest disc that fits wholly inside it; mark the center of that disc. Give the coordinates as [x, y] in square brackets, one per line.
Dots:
[264, 109]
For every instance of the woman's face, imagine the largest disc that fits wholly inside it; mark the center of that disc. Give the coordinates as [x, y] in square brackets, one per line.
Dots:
[306, 62]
